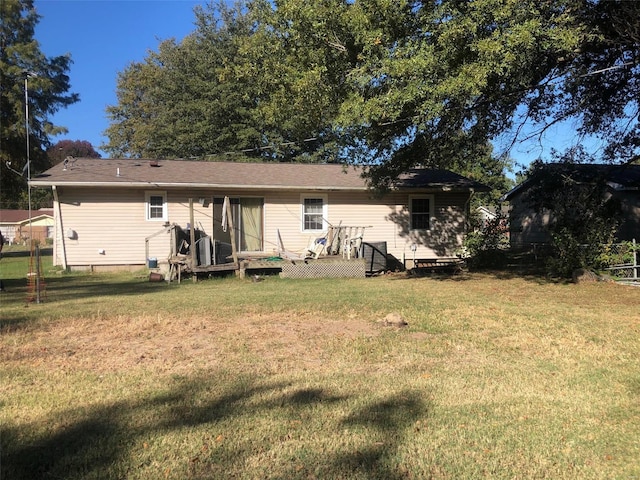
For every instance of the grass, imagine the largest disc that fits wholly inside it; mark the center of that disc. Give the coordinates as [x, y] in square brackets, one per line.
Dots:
[495, 376]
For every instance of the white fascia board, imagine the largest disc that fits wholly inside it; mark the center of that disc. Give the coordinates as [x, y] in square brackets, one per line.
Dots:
[191, 185]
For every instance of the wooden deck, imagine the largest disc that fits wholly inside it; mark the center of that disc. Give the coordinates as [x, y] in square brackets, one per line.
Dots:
[181, 265]
[323, 267]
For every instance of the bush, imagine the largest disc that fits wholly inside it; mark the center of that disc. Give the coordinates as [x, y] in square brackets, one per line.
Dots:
[583, 214]
[485, 248]
[618, 254]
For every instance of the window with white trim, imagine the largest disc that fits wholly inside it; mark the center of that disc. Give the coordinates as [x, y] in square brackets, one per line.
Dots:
[314, 211]
[421, 212]
[156, 206]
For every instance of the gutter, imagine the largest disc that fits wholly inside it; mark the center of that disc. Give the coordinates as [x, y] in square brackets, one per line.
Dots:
[216, 186]
[35, 183]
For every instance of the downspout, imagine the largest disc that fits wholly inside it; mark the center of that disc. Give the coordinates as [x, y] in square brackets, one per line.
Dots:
[59, 229]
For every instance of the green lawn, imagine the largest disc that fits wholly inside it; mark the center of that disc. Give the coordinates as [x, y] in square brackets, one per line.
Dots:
[495, 376]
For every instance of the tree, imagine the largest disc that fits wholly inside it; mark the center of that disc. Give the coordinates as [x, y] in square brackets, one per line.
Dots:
[70, 148]
[583, 215]
[428, 79]
[185, 100]
[48, 86]
[234, 85]
[387, 83]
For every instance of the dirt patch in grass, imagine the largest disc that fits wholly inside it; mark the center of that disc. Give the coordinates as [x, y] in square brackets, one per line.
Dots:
[178, 344]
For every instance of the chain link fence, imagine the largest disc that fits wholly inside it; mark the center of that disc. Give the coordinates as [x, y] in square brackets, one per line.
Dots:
[622, 259]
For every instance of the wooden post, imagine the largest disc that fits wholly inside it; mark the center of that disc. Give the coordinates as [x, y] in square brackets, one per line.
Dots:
[37, 274]
[192, 239]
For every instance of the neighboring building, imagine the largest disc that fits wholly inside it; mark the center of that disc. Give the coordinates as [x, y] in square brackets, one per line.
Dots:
[528, 227]
[111, 212]
[16, 227]
[486, 214]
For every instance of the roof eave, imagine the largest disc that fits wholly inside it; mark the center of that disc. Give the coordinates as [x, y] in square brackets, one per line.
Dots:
[363, 188]
[191, 185]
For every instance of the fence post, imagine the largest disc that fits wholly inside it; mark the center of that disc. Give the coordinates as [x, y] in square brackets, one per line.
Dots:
[635, 260]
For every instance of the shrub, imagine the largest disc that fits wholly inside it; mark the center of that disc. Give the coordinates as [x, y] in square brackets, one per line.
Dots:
[485, 248]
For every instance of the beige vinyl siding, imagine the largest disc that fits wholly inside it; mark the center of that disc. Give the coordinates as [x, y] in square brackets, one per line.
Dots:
[386, 219]
[389, 221]
[451, 211]
[109, 221]
[113, 221]
[283, 213]
[41, 222]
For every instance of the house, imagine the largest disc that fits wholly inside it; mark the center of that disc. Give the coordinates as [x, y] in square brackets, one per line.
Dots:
[487, 214]
[114, 213]
[528, 227]
[16, 226]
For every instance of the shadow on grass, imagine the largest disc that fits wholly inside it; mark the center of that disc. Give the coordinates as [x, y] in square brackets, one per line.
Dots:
[107, 441]
[25, 252]
[508, 265]
[391, 418]
[497, 273]
[62, 288]
[502, 265]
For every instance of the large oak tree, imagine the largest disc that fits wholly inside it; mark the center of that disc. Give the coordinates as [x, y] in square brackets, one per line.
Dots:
[388, 83]
[236, 85]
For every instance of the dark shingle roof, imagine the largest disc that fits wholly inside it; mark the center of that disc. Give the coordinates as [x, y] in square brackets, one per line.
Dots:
[168, 173]
[420, 178]
[19, 216]
[619, 177]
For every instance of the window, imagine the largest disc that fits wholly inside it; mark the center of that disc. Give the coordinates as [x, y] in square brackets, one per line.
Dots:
[421, 211]
[313, 213]
[156, 206]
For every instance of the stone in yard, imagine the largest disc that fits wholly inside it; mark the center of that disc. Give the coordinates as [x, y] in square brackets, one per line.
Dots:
[394, 319]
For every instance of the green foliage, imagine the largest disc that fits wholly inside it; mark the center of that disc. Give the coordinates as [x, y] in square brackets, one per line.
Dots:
[388, 83]
[235, 85]
[485, 246]
[48, 85]
[584, 217]
[619, 254]
[40, 198]
[484, 167]
[454, 78]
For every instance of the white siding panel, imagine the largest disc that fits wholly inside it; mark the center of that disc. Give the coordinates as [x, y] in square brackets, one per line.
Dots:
[114, 222]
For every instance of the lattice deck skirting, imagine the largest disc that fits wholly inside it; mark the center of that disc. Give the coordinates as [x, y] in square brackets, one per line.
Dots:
[324, 269]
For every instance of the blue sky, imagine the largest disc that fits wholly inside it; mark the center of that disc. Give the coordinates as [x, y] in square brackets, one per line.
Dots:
[104, 36]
